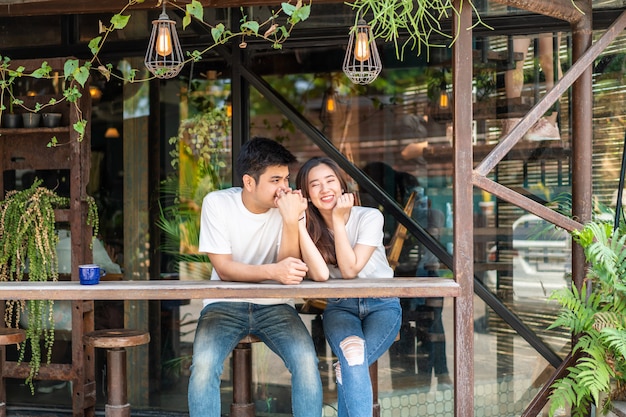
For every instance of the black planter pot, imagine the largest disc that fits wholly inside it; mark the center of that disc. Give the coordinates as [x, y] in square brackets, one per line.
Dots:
[11, 120]
[31, 119]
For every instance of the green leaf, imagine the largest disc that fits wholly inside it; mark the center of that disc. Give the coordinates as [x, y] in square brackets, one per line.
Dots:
[288, 9]
[94, 45]
[43, 71]
[251, 26]
[217, 32]
[119, 21]
[53, 142]
[79, 127]
[300, 14]
[69, 67]
[81, 75]
[186, 20]
[195, 9]
[72, 94]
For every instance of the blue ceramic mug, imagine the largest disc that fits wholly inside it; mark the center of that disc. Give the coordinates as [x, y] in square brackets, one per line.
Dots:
[90, 274]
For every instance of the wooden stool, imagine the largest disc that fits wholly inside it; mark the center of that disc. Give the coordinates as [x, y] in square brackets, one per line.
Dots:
[242, 405]
[115, 341]
[7, 337]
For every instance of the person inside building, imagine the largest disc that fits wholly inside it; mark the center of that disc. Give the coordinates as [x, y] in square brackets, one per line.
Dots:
[547, 127]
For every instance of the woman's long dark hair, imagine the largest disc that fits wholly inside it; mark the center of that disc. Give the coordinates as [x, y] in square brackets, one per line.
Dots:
[320, 234]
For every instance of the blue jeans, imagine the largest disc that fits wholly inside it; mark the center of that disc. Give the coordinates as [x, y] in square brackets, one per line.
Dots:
[374, 320]
[222, 325]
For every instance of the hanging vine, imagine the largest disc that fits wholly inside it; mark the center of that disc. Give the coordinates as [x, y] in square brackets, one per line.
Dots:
[28, 241]
[417, 21]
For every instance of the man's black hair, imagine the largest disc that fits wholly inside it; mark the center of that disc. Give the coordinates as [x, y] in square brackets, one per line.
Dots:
[260, 153]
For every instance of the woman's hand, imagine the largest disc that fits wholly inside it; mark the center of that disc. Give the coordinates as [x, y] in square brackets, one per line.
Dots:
[345, 202]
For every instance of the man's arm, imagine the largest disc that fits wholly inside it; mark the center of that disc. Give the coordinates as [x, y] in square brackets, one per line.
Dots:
[287, 271]
[291, 206]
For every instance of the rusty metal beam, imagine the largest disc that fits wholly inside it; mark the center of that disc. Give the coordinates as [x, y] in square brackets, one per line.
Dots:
[525, 203]
[463, 227]
[541, 399]
[582, 132]
[559, 9]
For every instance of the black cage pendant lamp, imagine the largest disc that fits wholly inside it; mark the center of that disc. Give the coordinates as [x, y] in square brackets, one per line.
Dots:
[362, 63]
[164, 57]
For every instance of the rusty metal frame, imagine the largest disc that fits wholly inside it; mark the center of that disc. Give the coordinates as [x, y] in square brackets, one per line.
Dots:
[579, 77]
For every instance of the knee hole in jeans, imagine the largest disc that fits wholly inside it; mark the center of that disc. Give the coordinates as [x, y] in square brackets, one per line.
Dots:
[353, 348]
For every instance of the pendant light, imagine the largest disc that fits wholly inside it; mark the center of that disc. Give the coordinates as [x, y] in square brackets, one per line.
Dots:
[164, 57]
[362, 63]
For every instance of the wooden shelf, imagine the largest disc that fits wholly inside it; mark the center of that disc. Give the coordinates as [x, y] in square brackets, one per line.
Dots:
[19, 131]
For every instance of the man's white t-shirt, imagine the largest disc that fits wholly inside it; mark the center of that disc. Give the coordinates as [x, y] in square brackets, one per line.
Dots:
[228, 227]
[365, 227]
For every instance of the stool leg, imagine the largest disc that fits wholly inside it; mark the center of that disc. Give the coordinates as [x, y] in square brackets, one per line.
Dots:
[3, 388]
[374, 379]
[242, 405]
[117, 401]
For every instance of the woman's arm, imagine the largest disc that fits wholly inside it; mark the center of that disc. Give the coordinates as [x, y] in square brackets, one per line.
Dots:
[318, 270]
[349, 260]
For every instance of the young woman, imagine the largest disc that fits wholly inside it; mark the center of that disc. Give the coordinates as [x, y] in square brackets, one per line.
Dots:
[340, 240]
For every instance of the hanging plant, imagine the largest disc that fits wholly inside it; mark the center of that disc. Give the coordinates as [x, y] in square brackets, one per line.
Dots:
[416, 21]
[28, 240]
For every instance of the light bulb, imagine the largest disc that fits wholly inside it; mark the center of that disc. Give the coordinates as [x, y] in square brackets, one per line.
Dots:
[362, 47]
[331, 104]
[443, 100]
[164, 41]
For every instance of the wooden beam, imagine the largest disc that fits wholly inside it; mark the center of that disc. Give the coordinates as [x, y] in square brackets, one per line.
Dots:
[559, 9]
[66, 7]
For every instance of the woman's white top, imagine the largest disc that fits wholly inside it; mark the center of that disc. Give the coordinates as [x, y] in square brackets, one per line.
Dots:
[365, 227]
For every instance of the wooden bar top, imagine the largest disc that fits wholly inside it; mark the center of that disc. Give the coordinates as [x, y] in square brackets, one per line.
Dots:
[181, 290]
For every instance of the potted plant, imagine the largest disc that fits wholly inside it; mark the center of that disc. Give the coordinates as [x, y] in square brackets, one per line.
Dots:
[28, 240]
[597, 315]
[10, 119]
[197, 157]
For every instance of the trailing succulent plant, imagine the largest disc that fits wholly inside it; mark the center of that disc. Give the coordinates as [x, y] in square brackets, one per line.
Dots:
[28, 240]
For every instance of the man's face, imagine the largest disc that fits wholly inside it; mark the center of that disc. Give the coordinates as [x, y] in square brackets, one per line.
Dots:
[261, 196]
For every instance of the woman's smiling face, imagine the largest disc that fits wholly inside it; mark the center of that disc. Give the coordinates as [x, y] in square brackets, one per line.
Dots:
[323, 187]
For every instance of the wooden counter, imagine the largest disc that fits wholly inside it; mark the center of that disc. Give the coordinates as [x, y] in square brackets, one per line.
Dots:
[182, 290]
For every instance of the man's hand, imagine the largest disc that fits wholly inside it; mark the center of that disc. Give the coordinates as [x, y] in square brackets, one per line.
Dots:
[291, 204]
[290, 271]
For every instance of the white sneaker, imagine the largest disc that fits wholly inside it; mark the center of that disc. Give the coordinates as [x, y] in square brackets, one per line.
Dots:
[543, 130]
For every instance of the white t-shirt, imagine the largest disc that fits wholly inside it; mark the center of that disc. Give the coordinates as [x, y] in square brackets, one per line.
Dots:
[228, 227]
[365, 227]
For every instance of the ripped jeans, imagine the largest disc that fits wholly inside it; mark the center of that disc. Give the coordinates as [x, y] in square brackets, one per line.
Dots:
[348, 322]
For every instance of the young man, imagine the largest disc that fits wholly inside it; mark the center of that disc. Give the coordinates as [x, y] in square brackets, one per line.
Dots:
[251, 235]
